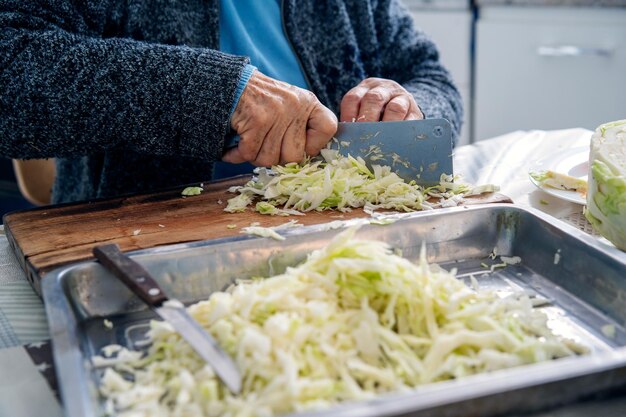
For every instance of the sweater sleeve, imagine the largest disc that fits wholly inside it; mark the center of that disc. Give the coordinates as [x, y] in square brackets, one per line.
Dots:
[411, 58]
[69, 91]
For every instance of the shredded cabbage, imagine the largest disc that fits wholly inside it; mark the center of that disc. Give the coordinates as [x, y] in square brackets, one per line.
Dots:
[342, 183]
[265, 207]
[352, 321]
[262, 232]
[239, 203]
[189, 191]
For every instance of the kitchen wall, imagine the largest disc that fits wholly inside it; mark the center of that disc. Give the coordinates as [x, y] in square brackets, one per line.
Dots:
[450, 24]
[531, 64]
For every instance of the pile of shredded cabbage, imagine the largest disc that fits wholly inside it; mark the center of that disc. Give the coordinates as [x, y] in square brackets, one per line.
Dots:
[342, 183]
[352, 321]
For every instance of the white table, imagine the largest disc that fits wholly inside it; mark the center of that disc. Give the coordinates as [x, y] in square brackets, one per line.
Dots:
[504, 160]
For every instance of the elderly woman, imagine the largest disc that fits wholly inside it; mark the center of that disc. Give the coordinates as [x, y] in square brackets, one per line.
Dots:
[134, 95]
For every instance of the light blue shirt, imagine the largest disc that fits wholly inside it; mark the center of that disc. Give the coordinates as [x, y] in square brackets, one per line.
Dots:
[254, 28]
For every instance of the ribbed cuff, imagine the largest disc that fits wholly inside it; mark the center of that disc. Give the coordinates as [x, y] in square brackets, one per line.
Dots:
[208, 92]
[243, 81]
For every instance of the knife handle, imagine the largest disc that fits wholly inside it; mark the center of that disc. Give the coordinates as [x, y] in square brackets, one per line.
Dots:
[136, 278]
[232, 141]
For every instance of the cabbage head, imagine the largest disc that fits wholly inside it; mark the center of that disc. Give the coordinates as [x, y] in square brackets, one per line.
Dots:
[606, 195]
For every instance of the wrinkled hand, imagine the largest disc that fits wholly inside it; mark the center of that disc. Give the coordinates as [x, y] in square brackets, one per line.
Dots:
[278, 123]
[379, 99]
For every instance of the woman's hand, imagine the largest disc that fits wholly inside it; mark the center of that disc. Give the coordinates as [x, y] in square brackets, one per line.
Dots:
[379, 99]
[278, 123]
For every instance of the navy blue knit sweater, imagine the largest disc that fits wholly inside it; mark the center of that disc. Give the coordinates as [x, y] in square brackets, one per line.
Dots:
[132, 95]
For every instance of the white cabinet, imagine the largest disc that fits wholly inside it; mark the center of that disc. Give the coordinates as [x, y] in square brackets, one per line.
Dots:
[450, 27]
[548, 68]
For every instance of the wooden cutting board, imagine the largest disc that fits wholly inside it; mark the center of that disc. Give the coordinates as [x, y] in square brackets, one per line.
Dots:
[47, 237]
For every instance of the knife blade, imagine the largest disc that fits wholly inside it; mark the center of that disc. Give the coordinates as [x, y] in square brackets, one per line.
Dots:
[140, 282]
[419, 150]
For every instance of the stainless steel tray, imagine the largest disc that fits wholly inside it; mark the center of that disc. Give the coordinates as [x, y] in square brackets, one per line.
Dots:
[584, 280]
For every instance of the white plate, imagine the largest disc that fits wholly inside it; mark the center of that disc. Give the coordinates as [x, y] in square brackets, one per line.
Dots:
[573, 162]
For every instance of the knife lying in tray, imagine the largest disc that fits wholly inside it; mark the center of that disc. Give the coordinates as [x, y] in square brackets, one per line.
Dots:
[139, 281]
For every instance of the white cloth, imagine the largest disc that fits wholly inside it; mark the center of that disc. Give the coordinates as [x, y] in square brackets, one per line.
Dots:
[23, 390]
[10, 270]
[22, 316]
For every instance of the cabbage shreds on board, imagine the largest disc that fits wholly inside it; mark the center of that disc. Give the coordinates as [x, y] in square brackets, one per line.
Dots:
[342, 183]
[606, 197]
[352, 321]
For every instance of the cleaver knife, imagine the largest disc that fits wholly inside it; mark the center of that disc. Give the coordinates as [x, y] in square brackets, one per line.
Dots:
[139, 281]
[419, 150]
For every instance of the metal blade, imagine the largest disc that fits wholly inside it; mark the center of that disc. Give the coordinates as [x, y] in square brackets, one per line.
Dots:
[419, 150]
[203, 343]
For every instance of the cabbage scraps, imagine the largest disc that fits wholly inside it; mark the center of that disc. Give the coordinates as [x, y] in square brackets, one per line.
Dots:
[560, 181]
[352, 321]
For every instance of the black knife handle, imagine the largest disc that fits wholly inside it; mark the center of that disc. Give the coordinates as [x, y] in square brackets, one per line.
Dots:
[136, 278]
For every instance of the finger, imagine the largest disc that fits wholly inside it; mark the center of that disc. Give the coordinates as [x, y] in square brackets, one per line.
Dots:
[415, 113]
[269, 154]
[373, 104]
[233, 156]
[397, 108]
[321, 127]
[250, 143]
[294, 142]
[350, 103]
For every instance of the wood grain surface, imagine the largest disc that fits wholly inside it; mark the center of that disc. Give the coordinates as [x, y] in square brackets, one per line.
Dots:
[47, 237]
